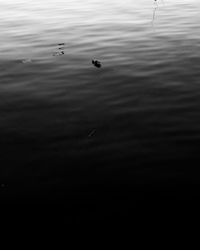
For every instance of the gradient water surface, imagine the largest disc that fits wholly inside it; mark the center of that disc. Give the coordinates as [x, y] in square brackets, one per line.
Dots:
[68, 129]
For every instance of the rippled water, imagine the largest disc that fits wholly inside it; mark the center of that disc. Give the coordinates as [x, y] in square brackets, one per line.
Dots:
[129, 125]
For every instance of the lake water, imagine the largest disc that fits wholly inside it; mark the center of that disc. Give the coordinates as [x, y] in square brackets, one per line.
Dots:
[92, 137]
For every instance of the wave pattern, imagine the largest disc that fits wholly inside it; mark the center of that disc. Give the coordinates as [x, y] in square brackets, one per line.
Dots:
[142, 107]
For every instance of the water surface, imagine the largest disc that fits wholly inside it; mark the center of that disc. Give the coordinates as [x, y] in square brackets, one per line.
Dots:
[66, 126]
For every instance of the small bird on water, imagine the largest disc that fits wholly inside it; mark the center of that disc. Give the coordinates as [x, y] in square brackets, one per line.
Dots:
[96, 63]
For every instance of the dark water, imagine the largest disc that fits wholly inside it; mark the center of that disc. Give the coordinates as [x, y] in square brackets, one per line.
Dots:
[99, 140]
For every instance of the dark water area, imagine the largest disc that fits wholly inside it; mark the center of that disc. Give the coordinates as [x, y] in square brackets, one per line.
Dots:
[100, 143]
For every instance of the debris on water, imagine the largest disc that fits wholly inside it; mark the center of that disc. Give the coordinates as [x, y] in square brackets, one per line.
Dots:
[27, 60]
[92, 133]
[60, 50]
[96, 63]
[58, 53]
